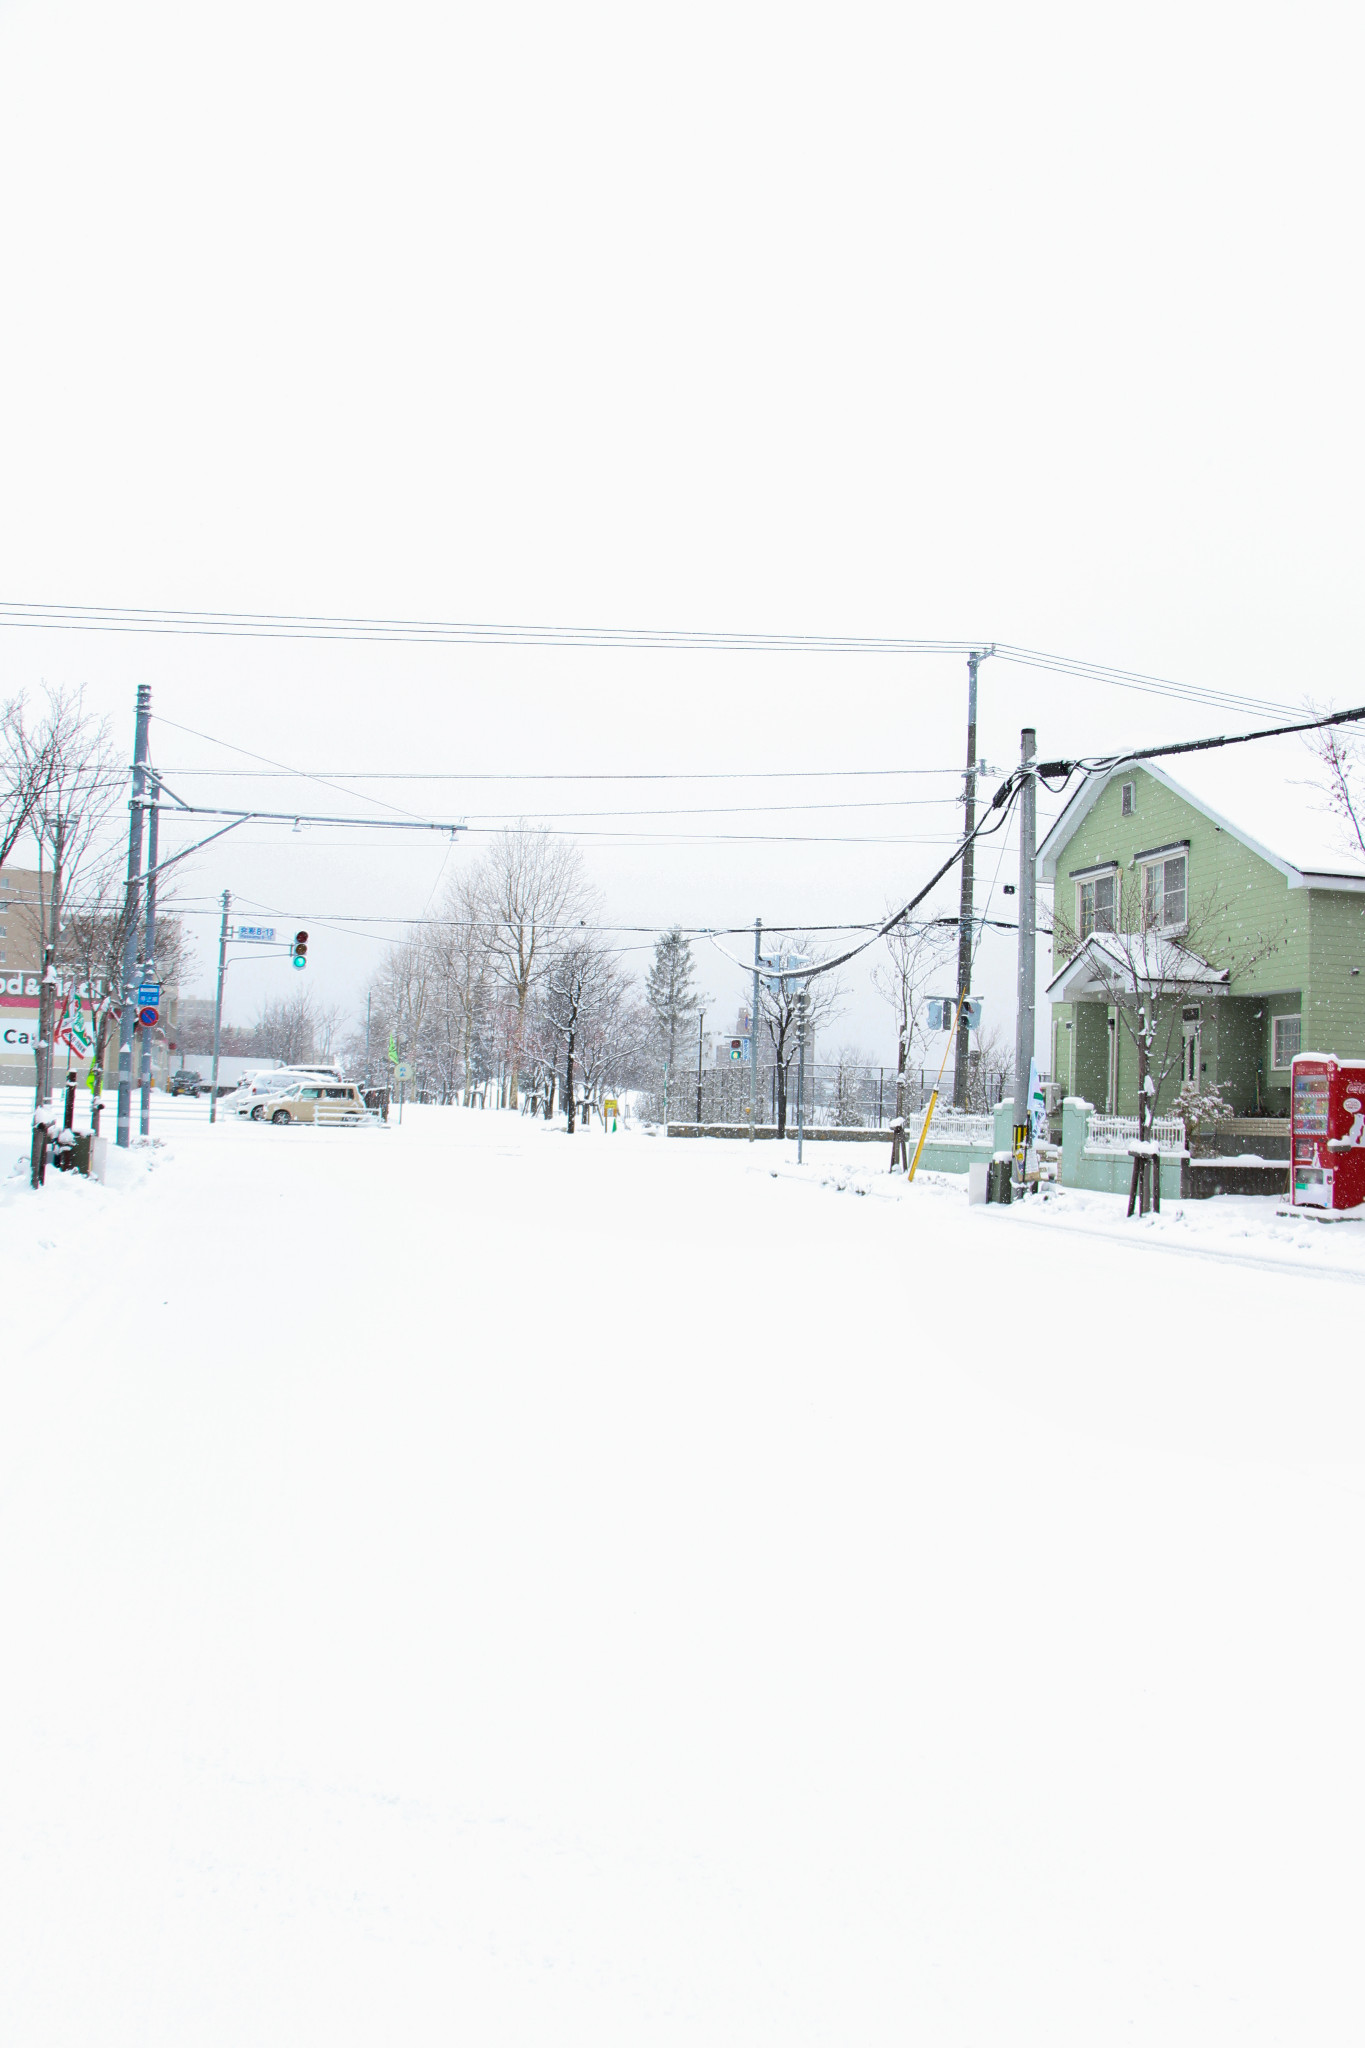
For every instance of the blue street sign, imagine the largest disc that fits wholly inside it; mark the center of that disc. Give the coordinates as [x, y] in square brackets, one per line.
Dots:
[262, 934]
[149, 995]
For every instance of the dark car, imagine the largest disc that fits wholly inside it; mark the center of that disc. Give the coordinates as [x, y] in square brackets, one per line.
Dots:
[186, 1082]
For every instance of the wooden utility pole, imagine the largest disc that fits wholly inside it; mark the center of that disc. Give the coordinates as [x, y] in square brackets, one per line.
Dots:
[965, 907]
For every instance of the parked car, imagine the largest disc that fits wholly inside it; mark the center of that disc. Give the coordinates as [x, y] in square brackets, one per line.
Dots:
[186, 1082]
[317, 1102]
[258, 1091]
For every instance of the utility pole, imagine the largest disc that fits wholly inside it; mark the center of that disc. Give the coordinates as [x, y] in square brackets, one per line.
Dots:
[128, 992]
[964, 918]
[1024, 1025]
[701, 1041]
[149, 950]
[218, 1006]
[753, 1037]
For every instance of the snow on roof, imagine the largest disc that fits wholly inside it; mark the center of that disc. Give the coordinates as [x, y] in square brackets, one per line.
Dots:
[1148, 960]
[1271, 794]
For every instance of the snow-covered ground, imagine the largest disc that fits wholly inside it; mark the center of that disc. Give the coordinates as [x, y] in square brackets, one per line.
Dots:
[463, 1584]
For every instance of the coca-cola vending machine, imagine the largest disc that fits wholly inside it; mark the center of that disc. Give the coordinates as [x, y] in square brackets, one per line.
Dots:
[1327, 1132]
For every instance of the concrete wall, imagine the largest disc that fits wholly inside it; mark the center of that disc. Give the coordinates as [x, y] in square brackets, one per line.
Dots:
[1108, 1173]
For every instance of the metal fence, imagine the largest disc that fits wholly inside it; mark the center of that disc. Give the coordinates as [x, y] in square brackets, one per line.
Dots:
[851, 1097]
[1117, 1133]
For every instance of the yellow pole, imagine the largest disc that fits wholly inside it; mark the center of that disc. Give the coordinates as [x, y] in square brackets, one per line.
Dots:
[933, 1099]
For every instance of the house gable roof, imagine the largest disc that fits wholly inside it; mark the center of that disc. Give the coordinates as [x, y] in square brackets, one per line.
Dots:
[1280, 786]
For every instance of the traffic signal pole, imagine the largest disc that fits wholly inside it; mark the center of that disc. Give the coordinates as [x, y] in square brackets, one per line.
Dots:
[1028, 884]
[218, 1006]
[128, 992]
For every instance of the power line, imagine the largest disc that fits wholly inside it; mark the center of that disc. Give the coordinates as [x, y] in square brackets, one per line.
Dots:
[299, 774]
[1066, 769]
[434, 632]
[560, 775]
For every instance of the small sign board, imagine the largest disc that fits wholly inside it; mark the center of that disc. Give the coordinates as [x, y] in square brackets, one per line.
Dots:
[402, 1070]
[259, 934]
[149, 995]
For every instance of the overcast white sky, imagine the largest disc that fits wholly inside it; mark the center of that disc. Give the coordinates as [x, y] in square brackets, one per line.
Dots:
[1037, 325]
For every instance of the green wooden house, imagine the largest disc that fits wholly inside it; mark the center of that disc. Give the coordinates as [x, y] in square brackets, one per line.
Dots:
[1235, 865]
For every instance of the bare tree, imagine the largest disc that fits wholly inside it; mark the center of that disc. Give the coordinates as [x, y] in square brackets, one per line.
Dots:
[75, 776]
[402, 991]
[567, 990]
[915, 952]
[22, 769]
[614, 1031]
[1340, 756]
[990, 1068]
[846, 1109]
[779, 1008]
[462, 972]
[328, 1019]
[285, 1028]
[530, 886]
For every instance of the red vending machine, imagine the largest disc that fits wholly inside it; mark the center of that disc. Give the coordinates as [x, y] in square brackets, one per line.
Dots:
[1327, 1132]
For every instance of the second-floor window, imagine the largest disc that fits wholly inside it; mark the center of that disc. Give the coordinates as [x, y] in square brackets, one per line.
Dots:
[1164, 891]
[1095, 903]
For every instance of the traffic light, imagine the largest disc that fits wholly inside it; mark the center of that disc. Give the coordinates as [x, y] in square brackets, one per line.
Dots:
[300, 958]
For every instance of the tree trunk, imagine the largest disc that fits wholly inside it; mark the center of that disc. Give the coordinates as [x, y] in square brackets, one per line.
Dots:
[899, 1150]
[781, 1071]
[569, 1103]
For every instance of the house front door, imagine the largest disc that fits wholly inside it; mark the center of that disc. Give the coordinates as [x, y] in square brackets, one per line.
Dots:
[1190, 1048]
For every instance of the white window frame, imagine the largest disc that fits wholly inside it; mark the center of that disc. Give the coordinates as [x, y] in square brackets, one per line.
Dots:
[1294, 1017]
[1084, 882]
[1161, 860]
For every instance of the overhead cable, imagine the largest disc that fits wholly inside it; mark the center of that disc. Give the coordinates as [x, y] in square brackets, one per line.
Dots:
[437, 632]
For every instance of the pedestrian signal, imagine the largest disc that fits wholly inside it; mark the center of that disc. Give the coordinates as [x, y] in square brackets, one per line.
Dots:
[300, 958]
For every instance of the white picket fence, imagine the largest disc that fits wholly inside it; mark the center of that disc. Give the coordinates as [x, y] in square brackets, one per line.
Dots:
[1117, 1133]
[955, 1127]
[334, 1115]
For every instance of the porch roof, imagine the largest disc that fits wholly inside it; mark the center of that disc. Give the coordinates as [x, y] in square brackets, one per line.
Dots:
[1135, 963]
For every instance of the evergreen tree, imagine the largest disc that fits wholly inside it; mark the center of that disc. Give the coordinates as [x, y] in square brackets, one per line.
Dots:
[669, 991]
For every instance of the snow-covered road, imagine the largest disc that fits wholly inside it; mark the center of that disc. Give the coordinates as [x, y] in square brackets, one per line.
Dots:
[461, 1583]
